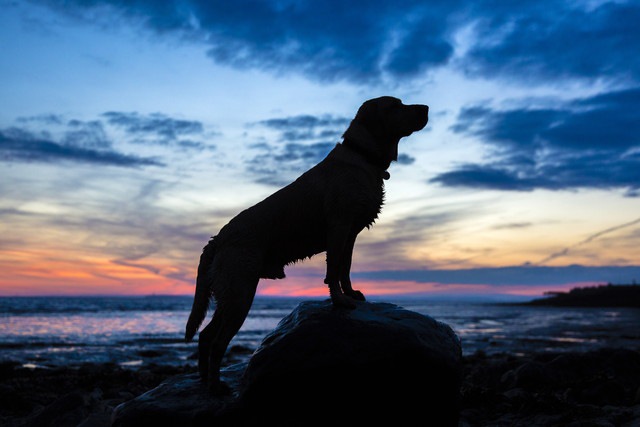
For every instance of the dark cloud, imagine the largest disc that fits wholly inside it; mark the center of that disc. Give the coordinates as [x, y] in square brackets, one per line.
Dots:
[405, 159]
[90, 135]
[50, 119]
[511, 276]
[328, 41]
[536, 41]
[487, 177]
[305, 121]
[154, 128]
[18, 145]
[586, 143]
[307, 127]
[50, 138]
[335, 40]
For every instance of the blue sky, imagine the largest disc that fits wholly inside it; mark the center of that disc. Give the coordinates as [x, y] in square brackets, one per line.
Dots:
[130, 132]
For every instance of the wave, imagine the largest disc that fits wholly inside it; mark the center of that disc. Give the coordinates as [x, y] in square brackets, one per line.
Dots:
[263, 306]
[92, 304]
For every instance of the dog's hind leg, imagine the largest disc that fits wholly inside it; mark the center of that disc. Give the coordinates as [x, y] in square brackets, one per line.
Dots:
[345, 271]
[233, 298]
[227, 320]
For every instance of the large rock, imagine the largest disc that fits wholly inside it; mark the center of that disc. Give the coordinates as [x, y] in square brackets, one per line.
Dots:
[180, 401]
[375, 363]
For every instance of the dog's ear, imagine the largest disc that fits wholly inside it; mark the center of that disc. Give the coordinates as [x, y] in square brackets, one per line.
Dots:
[371, 130]
[380, 124]
[376, 115]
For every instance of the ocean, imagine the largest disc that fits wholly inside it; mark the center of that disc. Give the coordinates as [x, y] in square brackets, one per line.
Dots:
[135, 331]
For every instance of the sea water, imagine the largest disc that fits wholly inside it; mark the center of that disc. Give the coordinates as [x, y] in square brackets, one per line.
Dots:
[132, 331]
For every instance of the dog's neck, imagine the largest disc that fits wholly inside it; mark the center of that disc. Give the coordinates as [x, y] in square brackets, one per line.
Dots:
[368, 156]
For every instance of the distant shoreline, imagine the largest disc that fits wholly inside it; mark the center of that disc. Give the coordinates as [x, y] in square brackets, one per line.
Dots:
[608, 295]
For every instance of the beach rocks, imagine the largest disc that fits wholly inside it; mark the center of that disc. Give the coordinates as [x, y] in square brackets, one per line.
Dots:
[375, 363]
[548, 389]
[179, 401]
[80, 396]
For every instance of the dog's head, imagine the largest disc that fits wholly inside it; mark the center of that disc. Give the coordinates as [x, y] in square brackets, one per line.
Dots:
[380, 124]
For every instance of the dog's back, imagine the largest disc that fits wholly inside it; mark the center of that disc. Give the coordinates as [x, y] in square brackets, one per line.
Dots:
[291, 224]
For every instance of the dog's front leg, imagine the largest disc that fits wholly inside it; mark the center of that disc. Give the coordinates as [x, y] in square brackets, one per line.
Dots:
[345, 270]
[337, 243]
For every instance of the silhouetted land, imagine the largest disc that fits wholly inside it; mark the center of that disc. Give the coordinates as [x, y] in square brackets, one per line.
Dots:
[596, 296]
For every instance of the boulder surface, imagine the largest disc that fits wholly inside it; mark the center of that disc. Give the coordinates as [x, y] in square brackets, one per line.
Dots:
[375, 363]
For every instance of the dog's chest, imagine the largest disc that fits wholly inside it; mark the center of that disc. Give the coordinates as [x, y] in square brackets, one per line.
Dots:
[374, 204]
[364, 201]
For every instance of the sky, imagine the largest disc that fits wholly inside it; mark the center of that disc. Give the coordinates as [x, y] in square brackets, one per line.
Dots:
[131, 132]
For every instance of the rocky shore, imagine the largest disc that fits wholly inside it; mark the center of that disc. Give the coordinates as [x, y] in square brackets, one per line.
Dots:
[599, 388]
[376, 362]
[596, 389]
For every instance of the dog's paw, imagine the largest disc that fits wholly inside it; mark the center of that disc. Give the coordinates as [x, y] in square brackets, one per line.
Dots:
[219, 388]
[343, 301]
[356, 295]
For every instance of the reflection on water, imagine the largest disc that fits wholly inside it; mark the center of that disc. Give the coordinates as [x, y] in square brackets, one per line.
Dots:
[135, 330]
[511, 328]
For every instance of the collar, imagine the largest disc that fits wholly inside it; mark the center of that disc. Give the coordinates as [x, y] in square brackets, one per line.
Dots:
[369, 157]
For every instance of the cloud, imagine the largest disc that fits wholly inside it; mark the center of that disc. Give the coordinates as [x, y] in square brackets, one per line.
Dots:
[325, 41]
[19, 145]
[128, 226]
[90, 135]
[301, 142]
[391, 244]
[405, 159]
[512, 225]
[154, 128]
[379, 41]
[307, 127]
[52, 138]
[278, 166]
[50, 119]
[589, 239]
[532, 41]
[585, 143]
[511, 276]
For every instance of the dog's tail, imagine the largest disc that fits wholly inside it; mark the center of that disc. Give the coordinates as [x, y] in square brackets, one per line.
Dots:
[203, 294]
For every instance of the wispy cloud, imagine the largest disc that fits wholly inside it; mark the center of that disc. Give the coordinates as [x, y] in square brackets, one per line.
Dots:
[301, 142]
[54, 138]
[589, 239]
[279, 165]
[307, 127]
[154, 128]
[25, 147]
